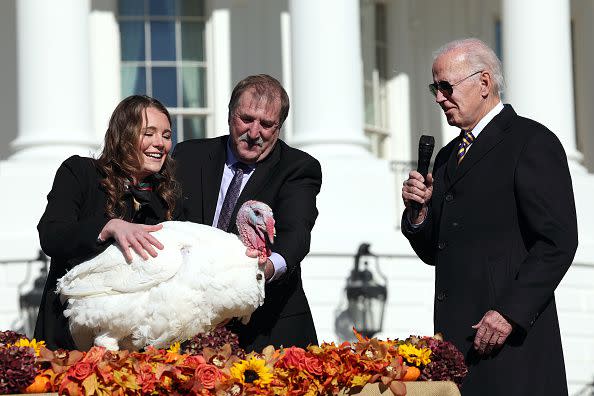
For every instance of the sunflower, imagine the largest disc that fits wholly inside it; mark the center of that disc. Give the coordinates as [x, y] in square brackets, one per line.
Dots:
[414, 355]
[174, 348]
[253, 371]
[36, 345]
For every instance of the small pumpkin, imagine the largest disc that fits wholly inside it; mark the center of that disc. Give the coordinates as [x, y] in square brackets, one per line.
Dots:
[41, 384]
[412, 373]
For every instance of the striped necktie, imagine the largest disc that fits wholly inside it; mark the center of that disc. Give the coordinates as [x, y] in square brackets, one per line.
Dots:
[232, 195]
[465, 141]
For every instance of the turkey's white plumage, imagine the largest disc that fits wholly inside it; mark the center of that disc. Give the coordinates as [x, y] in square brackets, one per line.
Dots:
[199, 279]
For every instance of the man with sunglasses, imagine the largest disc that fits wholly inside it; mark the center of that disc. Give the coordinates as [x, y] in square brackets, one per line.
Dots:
[498, 222]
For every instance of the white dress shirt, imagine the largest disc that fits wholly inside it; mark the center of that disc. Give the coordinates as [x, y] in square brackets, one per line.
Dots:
[475, 132]
[484, 121]
[278, 261]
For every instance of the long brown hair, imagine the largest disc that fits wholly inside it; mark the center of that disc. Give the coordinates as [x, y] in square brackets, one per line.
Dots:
[120, 158]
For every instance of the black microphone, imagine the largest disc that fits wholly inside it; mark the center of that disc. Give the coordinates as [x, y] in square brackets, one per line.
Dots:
[426, 145]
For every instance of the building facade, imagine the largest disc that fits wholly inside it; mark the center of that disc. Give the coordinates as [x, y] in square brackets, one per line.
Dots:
[356, 72]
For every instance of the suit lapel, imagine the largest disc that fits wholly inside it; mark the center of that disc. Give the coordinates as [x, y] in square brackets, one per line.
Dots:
[452, 164]
[494, 132]
[212, 174]
[264, 170]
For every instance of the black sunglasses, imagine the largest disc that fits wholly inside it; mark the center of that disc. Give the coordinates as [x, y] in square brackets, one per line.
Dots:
[445, 87]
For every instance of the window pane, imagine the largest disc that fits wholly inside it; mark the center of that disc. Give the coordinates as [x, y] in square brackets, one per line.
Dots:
[165, 86]
[162, 7]
[133, 80]
[380, 22]
[381, 62]
[132, 41]
[163, 41]
[194, 86]
[192, 41]
[131, 7]
[194, 127]
[191, 7]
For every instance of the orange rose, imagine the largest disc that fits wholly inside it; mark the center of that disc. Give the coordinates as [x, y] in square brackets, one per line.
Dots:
[208, 375]
[314, 365]
[81, 370]
[293, 357]
[194, 361]
[94, 355]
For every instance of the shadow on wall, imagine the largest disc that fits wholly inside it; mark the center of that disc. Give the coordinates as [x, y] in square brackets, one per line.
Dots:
[588, 390]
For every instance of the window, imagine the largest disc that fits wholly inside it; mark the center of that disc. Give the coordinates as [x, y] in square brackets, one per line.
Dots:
[163, 56]
[374, 39]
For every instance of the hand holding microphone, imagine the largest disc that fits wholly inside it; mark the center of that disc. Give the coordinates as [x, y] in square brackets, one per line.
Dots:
[418, 188]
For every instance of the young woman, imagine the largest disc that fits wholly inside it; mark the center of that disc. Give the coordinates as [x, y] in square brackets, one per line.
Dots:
[121, 197]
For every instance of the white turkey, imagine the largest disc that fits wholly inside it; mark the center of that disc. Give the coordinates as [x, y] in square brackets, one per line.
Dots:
[201, 278]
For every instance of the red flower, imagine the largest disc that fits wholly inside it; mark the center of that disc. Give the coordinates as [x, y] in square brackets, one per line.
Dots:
[81, 370]
[94, 355]
[147, 379]
[313, 365]
[194, 361]
[208, 375]
[293, 357]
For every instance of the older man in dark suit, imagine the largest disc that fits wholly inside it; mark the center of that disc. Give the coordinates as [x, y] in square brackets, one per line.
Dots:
[219, 174]
[498, 222]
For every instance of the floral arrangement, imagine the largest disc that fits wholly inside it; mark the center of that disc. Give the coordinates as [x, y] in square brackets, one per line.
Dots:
[213, 364]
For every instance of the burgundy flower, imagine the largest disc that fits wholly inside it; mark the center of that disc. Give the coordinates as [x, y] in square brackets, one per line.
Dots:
[17, 369]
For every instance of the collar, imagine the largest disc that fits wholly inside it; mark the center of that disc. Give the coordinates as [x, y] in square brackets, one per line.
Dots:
[486, 119]
[231, 159]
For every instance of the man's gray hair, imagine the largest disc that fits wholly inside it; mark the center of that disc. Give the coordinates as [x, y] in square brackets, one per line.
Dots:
[479, 56]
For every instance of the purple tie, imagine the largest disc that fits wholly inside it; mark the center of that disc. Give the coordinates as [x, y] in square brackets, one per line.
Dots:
[231, 196]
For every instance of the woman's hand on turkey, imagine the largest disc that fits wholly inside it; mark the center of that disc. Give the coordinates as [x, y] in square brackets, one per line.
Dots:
[417, 189]
[136, 236]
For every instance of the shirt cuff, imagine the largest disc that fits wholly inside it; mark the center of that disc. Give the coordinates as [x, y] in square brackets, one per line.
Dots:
[414, 226]
[280, 266]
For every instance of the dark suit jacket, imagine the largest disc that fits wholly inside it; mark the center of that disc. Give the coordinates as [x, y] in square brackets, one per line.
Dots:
[68, 231]
[501, 233]
[288, 180]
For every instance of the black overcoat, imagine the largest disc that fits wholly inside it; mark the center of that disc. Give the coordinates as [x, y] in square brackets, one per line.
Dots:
[68, 232]
[288, 180]
[501, 233]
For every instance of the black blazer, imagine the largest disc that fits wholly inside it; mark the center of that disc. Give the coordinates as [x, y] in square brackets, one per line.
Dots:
[68, 231]
[501, 234]
[288, 180]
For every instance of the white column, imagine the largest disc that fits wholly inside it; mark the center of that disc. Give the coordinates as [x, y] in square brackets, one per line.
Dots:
[105, 67]
[538, 65]
[327, 102]
[54, 101]
[219, 34]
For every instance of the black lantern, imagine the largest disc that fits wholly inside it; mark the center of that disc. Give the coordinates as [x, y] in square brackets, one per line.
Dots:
[29, 302]
[366, 296]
